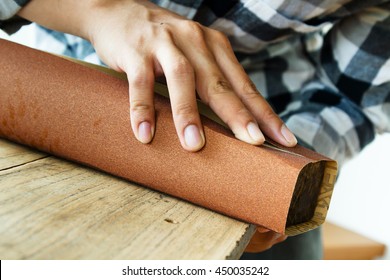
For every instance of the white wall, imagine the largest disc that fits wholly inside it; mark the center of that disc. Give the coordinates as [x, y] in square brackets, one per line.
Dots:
[361, 199]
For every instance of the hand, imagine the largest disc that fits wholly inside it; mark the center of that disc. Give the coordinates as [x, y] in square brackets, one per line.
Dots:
[146, 41]
[263, 240]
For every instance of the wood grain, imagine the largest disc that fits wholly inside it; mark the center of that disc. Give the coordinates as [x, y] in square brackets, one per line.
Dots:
[54, 209]
[12, 154]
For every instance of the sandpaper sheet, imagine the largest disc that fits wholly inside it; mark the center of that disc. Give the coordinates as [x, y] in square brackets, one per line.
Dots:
[82, 114]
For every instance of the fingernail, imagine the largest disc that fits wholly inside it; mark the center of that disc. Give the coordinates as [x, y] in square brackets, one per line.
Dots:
[288, 135]
[192, 137]
[145, 132]
[254, 132]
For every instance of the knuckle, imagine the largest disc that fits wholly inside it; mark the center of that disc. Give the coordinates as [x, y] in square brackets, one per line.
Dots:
[140, 41]
[194, 29]
[221, 86]
[140, 108]
[217, 91]
[163, 32]
[249, 91]
[243, 111]
[249, 87]
[240, 113]
[139, 80]
[184, 110]
[220, 38]
[181, 67]
[243, 114]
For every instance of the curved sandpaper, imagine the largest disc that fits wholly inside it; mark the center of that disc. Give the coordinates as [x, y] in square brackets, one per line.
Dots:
[82, 114]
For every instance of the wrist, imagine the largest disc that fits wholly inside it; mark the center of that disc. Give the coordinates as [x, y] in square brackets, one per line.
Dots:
[102, 13]
[68, 16]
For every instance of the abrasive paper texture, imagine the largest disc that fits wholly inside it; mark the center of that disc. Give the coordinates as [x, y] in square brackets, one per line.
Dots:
[82, 114]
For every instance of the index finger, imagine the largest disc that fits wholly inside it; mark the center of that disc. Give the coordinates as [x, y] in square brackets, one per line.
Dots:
[181, 84]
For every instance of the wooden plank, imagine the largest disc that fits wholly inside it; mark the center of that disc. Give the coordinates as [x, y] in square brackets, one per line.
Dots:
[53, 209]
[12, 154]
[344, 244]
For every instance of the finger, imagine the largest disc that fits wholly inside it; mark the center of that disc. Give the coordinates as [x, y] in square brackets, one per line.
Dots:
[181, 84]
[262, 241]
[141, 83]
[215, 90]
[268, 121]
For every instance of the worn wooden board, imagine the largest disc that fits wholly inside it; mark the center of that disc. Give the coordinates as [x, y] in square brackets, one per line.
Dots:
[12, 154]
[54, 209]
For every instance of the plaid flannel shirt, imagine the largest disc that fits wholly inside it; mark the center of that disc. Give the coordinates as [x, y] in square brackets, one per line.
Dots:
[324, 66]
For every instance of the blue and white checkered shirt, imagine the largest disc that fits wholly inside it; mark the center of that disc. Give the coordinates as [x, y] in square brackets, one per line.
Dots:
[324, 66]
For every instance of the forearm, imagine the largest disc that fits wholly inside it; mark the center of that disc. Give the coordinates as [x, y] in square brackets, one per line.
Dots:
[68, 16]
